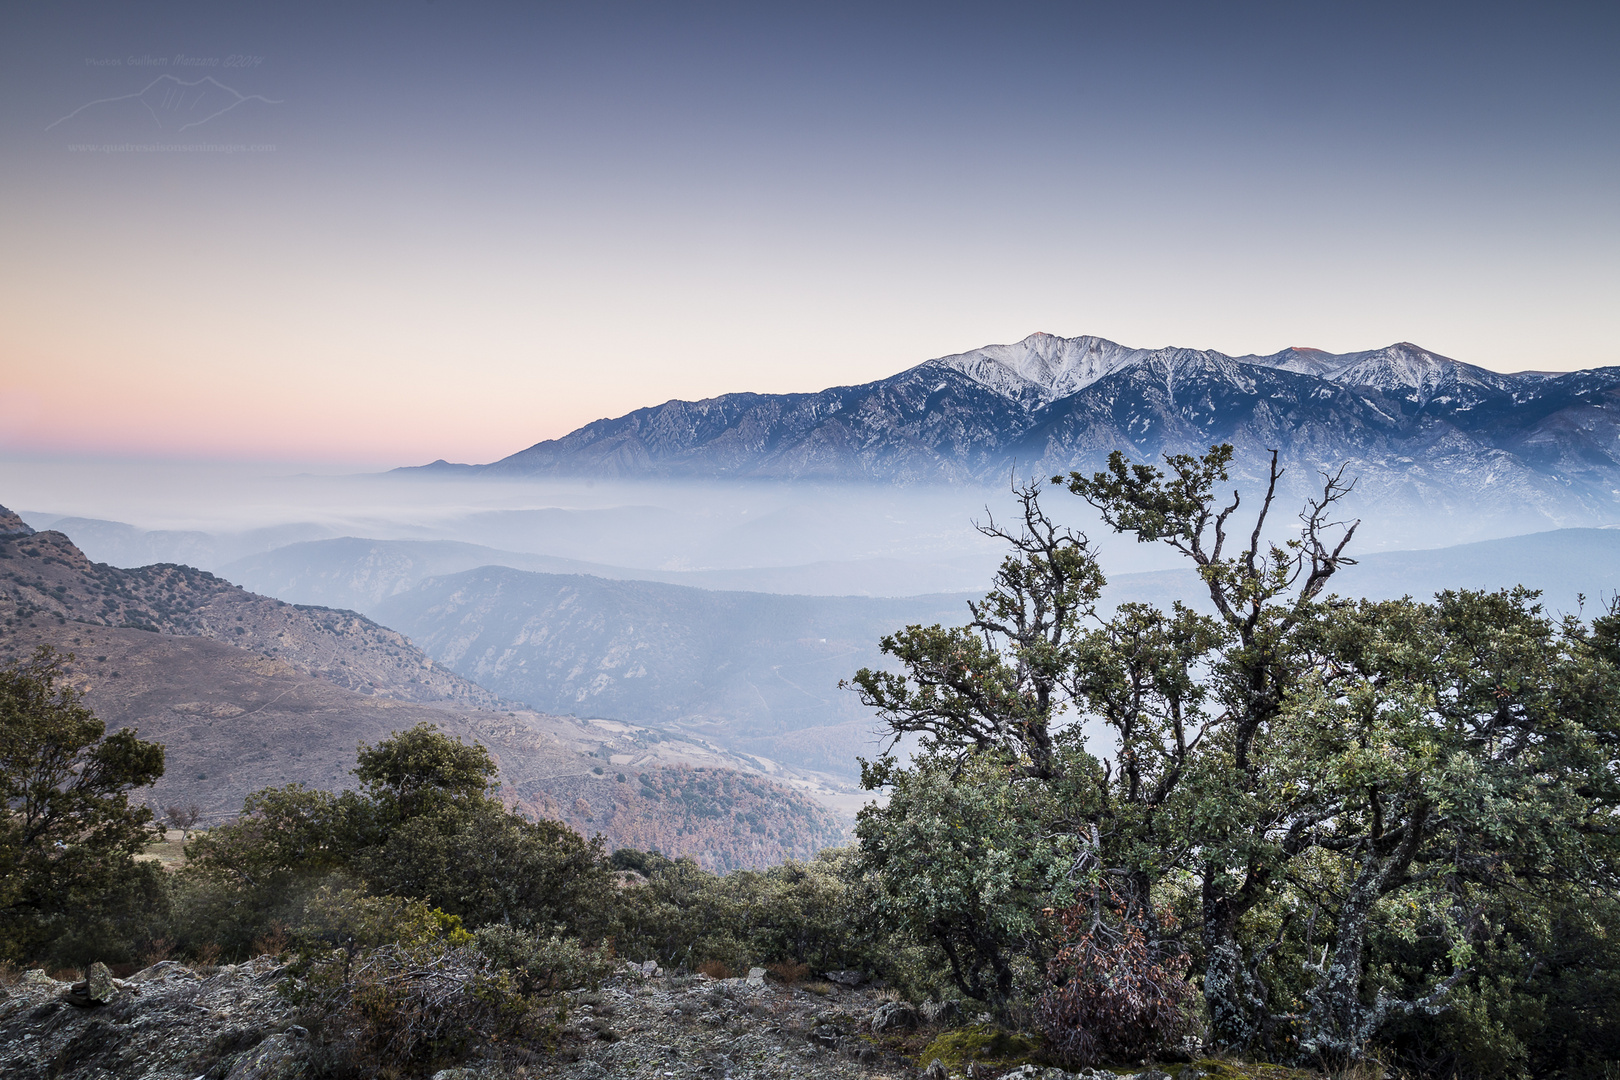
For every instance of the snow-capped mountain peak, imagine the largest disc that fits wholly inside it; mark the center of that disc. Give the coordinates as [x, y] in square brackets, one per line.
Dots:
[1044, 368]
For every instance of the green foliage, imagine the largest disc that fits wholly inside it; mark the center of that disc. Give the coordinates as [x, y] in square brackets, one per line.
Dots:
[351, 921]
[487, 865]
[543, 966]
[425, 825]
[260, 870]
[414, 770]
[815, 913]
[1332, 796]
[68, 834]
[966, 856]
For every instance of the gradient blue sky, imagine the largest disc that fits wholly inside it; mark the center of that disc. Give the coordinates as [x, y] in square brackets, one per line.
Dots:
[457, 228]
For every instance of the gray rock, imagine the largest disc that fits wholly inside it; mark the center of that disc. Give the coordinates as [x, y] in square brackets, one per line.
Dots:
[162, 970]
[936, 1071]
[1051, 1072]
[99, 982]
[944, 1013]
[96, 989]
[846, 978]
[894, 1016]
[279, 1057]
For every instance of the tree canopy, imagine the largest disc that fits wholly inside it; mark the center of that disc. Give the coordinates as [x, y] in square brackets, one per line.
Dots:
[68, 834]
[1306, 803]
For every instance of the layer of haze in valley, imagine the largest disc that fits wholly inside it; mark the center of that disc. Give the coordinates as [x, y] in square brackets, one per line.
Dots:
[728, 611]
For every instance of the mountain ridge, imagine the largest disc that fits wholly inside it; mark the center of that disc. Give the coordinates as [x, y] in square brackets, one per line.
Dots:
[1424, 432]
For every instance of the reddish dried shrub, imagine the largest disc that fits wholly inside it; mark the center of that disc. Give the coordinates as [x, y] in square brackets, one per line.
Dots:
[1110, 997]
[786, 971]
[714, 969]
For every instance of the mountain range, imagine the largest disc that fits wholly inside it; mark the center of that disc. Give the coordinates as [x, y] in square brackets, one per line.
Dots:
[1422, 432]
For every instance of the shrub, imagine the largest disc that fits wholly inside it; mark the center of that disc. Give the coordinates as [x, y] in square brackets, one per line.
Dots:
[543, 966]
[788, 972]
[392, 984]
[1111, 998]
[408, 1007]
[346, 920]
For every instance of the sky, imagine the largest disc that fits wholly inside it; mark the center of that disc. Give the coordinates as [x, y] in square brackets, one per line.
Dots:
[392, 232]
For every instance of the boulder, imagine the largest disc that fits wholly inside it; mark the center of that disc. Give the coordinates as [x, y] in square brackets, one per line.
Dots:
[943, 1013]
[894, 1016]
[935, 1071]
[97, 988]
[756, 976]
[279, 1057]
[850, 979]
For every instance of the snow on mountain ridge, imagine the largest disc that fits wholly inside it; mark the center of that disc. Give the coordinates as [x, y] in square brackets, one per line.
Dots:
[1044, 368]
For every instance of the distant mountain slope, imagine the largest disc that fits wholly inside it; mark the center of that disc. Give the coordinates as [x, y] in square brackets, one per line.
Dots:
[1422, 431]
[44, 575]
[1562, 565]
[233, 721]
[125, 545]
[758, 673]
[755, 672]
[288, 698]
[354, 573]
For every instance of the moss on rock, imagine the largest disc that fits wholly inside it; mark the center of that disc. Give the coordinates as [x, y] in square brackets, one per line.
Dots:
[982, 1044]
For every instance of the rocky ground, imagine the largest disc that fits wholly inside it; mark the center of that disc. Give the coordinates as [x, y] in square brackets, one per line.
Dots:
[169, 1022]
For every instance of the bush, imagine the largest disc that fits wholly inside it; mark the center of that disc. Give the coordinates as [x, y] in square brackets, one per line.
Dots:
[543, 966]
[489, 865]
[1111, 998]
[407, 1007]
[348, 920]
[390, 984]
[810, 913]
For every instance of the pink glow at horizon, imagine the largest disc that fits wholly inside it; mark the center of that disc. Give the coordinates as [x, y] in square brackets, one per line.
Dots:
[468, 228]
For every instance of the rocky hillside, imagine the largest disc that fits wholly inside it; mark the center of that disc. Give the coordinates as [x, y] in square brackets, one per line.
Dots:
[1423, 431]
[233, 719]
[43, 576]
